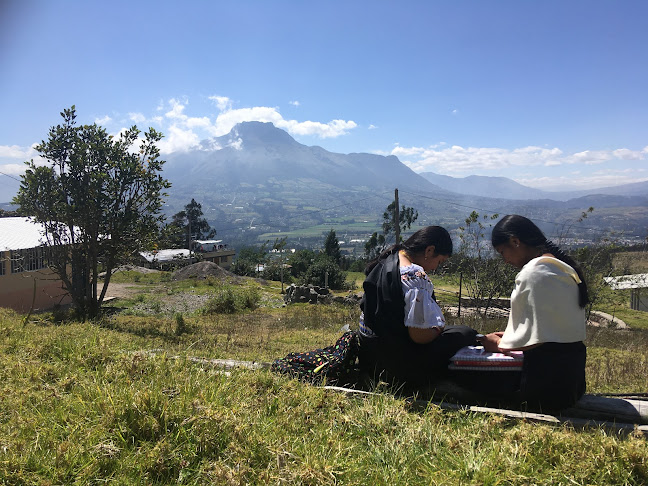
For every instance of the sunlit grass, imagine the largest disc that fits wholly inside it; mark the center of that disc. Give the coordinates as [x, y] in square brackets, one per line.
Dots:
[119, 401]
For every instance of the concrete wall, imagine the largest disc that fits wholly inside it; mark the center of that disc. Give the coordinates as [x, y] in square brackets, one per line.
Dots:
[17, 289]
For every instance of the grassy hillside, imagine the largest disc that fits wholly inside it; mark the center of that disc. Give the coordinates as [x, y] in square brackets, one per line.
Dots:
[118, 402]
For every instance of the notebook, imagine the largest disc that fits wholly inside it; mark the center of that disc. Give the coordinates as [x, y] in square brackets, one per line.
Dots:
[475, 358]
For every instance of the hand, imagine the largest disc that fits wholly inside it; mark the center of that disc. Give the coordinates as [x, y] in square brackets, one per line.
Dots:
[491, 341]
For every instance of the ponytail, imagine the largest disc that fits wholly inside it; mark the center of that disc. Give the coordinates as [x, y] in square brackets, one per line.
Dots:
[555, 250]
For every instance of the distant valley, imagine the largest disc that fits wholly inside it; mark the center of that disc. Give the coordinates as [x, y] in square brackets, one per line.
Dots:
[258, 183]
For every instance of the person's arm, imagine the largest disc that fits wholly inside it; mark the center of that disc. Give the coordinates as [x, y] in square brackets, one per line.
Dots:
[491, 343]
[423, 336]
[423, 316]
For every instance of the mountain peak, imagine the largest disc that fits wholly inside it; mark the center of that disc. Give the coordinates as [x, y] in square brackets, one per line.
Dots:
[260, 133]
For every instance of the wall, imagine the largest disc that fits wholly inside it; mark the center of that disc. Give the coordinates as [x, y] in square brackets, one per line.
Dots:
[17, 289]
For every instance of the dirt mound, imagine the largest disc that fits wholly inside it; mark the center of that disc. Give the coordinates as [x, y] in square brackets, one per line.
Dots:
[204, 270]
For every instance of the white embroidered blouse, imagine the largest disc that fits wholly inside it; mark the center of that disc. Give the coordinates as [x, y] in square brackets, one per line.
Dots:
[421, 311]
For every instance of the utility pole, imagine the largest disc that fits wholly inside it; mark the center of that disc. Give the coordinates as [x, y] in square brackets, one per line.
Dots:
[396, 217]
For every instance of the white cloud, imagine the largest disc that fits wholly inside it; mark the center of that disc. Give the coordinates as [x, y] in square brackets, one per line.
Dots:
[331, 129]
[578, 180]
[625, 154]
[176, 110]
[455, 112]
[16, 152]
[103, 121]
[178, 139]
[222, 102]
[372, 127]
[457, 159]
[236, 144]
[13, 169]
[590, 157]
[294, 103]
[137, 117]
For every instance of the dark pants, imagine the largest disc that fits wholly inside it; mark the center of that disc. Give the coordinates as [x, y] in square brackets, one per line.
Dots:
[552, 378]
[399, 359]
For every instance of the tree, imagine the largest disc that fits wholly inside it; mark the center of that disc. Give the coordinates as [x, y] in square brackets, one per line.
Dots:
[487, 276]
[188, 224]
[248, 258]
[98, 200]
[332, 247]
[300, 261]
[324, 267]
[378, 242]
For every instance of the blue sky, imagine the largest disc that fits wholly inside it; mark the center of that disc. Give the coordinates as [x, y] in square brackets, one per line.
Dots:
[552, 94]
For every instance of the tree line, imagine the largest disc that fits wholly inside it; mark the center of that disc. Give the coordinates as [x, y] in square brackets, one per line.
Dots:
[99, 200]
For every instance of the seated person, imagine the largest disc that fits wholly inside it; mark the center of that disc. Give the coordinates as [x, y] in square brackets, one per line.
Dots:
[403, 336]
[547, 319]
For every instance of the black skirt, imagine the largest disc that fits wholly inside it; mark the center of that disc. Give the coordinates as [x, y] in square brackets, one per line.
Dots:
[398, 359]
[552, 378]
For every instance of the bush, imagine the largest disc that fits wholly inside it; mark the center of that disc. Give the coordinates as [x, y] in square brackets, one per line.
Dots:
[229, 300]
[316, 274]
[272, 271]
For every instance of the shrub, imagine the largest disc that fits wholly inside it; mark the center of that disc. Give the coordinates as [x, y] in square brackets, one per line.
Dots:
[228, 300]
[316, 273]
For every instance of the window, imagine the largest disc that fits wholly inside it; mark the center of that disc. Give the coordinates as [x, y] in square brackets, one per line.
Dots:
[2, 263]
[27, 260]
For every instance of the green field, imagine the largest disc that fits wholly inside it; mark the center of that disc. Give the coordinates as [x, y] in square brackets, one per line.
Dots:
[118, 401]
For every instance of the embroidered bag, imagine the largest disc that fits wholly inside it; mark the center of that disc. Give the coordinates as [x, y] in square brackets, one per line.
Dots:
[335, 363]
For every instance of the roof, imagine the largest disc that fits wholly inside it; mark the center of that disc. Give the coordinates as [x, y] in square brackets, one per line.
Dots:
[165, 255]
[637, 281]
[20, 234]
[207, 242]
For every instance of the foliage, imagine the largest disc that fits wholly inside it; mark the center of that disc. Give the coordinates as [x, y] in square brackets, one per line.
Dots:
[98, 200]
[377, 243]
[406, 218]
[187, 224]
[300, 261]
[229, 300]
[318, 271]
[358, 265]
[273, 271]
[332, 247]
[248, 258]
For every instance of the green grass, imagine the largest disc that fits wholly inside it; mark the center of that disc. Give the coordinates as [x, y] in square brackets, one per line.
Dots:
[87, 404]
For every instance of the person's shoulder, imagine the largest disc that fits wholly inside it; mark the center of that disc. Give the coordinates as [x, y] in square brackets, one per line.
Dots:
[414, 276]
[546, 267]
[554, 265]
[413, 270]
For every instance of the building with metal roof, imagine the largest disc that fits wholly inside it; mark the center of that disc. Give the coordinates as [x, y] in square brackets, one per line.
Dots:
[26, 282]
[635, 283]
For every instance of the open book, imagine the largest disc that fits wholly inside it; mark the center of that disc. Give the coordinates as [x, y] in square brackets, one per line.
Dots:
[475, 358]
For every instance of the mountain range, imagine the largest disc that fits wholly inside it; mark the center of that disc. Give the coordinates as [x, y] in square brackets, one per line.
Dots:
[258, 180]
[509, 189]
[256, 153]
[260, 176]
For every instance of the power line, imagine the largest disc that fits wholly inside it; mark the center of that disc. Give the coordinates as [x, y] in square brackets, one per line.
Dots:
[10, 177]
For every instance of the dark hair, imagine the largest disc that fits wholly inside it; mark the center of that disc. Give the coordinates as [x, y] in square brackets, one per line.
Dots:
[417, 243]
[514, 225]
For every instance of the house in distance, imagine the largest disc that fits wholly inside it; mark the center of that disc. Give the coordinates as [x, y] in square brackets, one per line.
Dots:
[201, 250]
